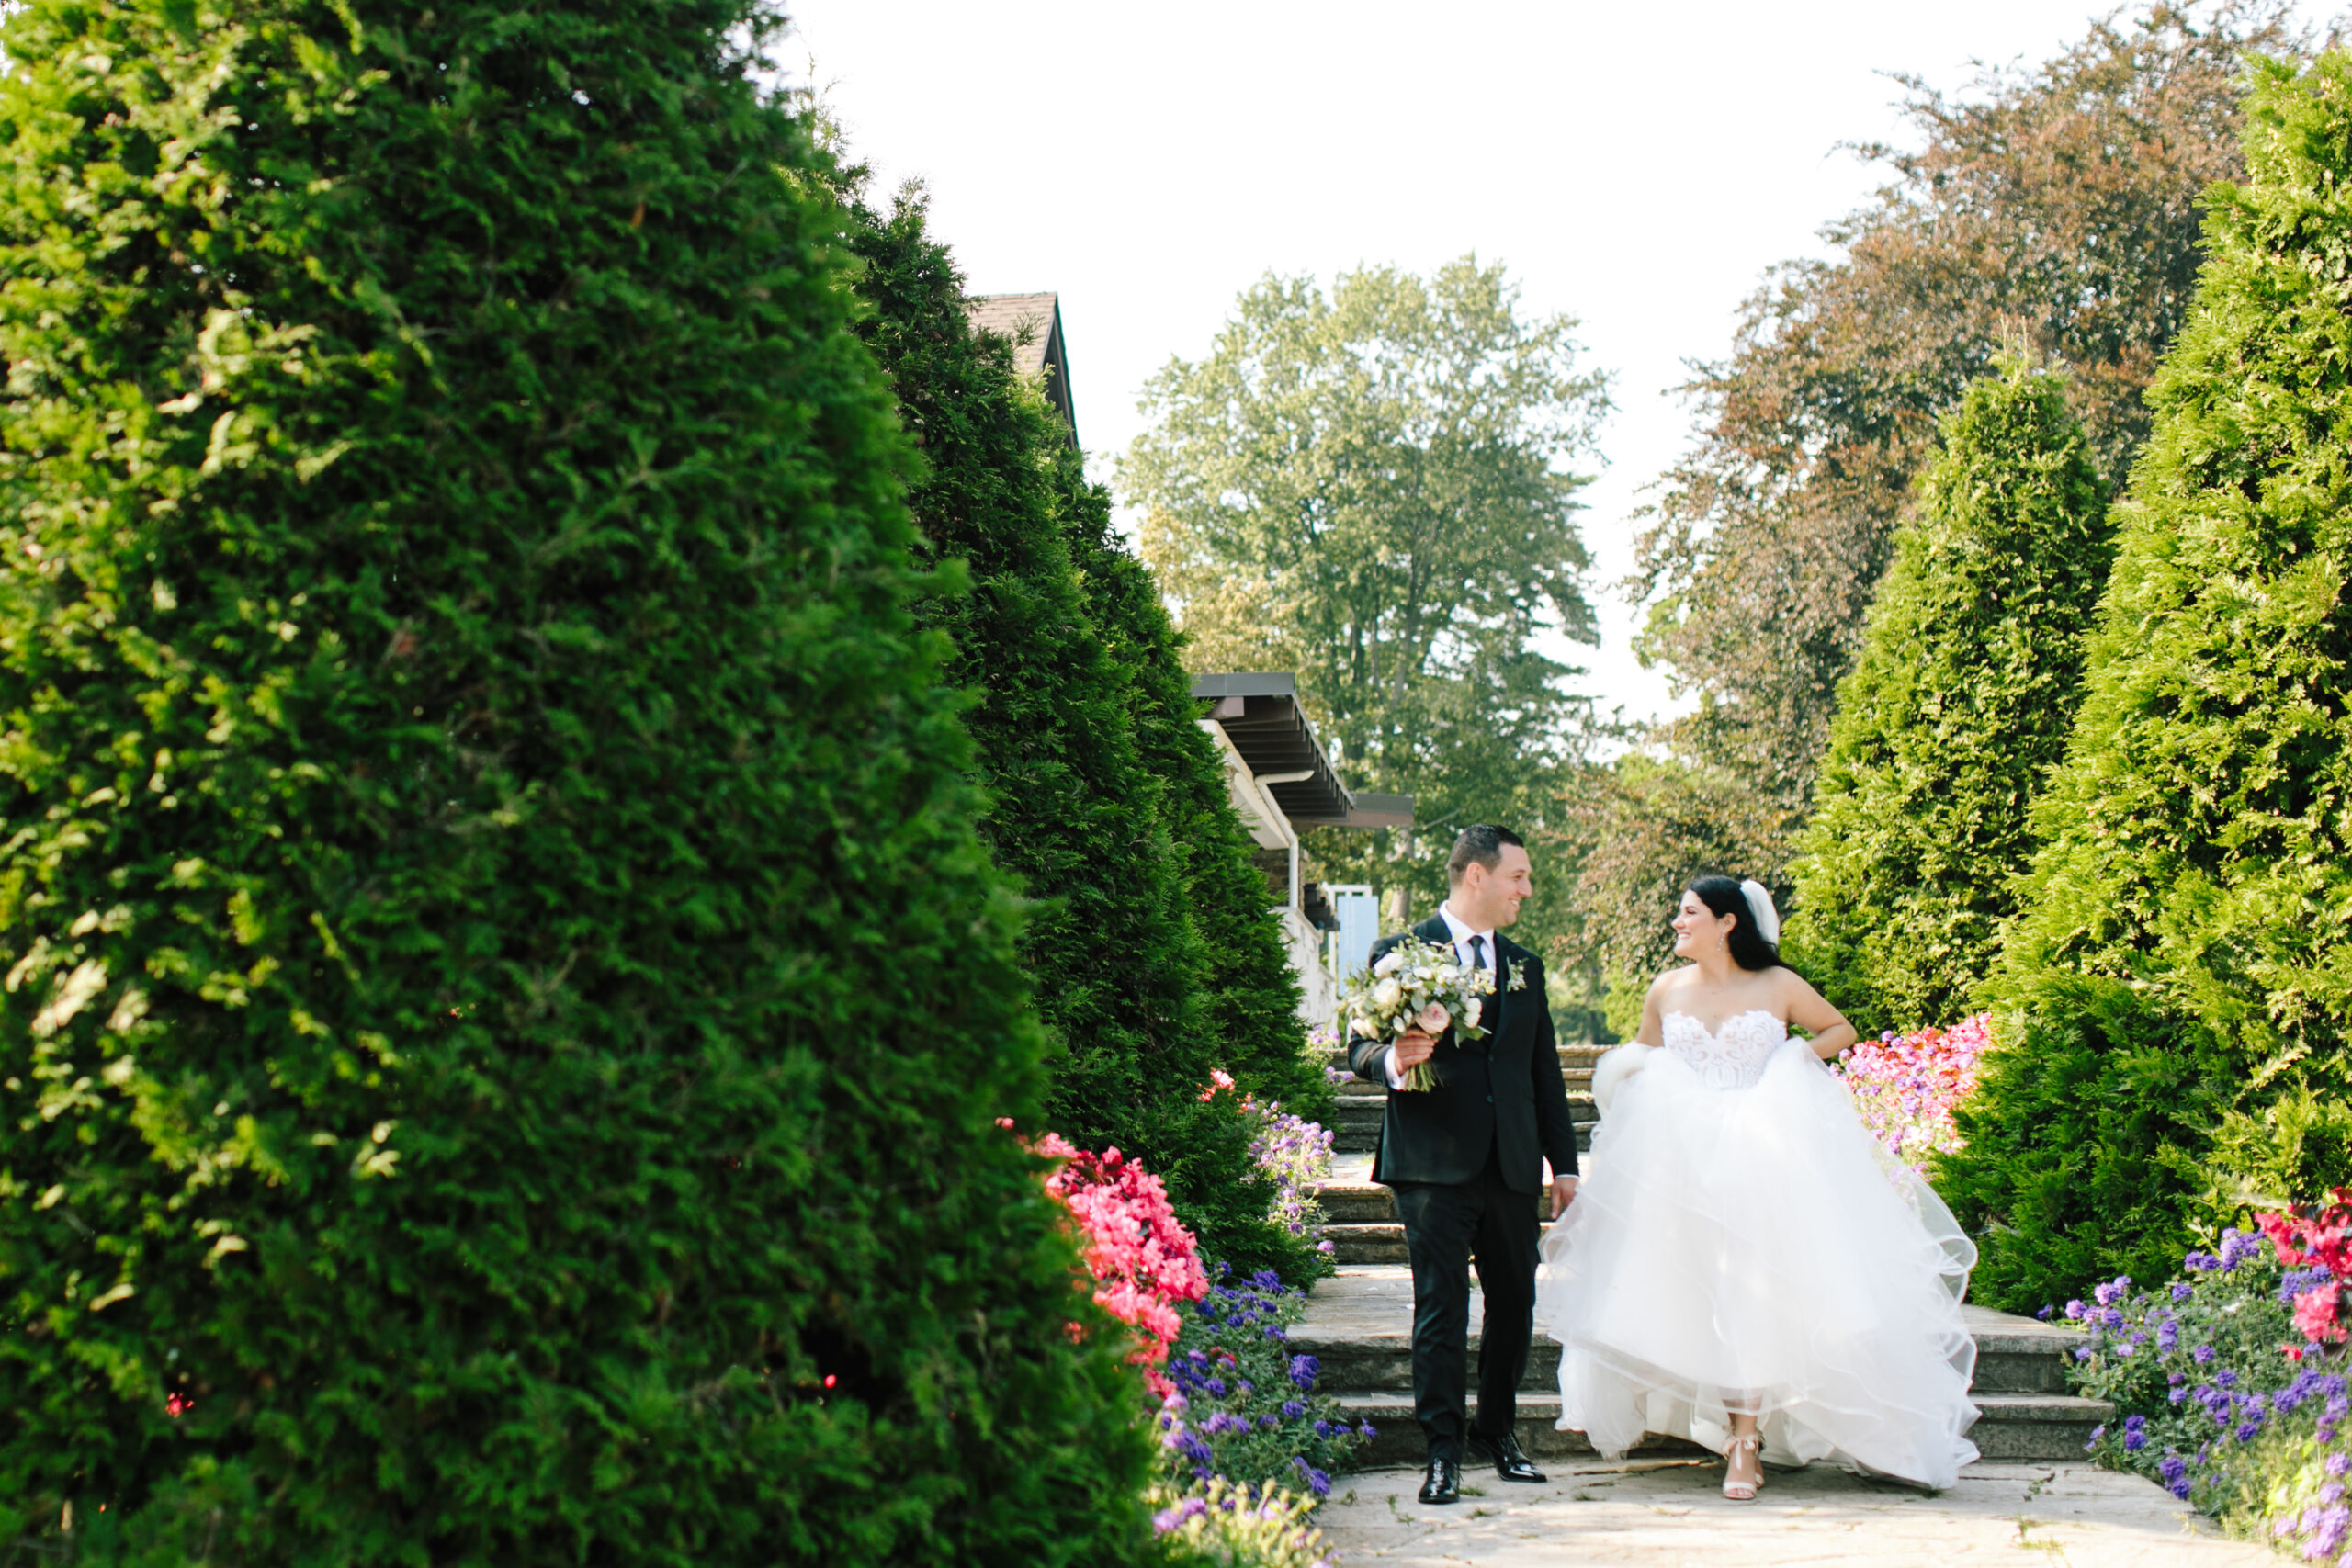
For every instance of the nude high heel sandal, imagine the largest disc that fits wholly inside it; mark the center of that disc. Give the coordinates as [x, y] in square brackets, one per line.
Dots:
[1744, 1491]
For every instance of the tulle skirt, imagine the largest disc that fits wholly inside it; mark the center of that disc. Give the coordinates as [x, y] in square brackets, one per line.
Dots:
[1756, 1250]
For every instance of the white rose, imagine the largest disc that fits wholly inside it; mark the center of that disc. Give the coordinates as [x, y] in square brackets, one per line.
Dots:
[1389, 965]
[1386, 995]
[1470, 1012]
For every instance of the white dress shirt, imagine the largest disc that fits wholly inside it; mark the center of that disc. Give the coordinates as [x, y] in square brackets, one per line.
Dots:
[1462, 935]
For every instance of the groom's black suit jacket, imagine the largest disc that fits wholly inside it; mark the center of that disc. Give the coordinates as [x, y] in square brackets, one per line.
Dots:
[1501, 1094]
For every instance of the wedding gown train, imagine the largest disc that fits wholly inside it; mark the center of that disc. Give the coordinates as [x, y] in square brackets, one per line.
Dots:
[1743, 1243]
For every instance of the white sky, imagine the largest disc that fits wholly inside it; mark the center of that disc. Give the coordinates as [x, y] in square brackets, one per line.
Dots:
[1636, 166]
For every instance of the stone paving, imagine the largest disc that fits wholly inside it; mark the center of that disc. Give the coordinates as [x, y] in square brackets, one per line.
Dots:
[1666, 1513]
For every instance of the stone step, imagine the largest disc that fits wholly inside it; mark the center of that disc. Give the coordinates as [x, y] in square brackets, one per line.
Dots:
[1355, 1123]
[2009, 1426]
[2009, 1364]
[1359, 1325]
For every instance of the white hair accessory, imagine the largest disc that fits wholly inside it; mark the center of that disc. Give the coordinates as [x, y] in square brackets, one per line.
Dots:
[1760, 905]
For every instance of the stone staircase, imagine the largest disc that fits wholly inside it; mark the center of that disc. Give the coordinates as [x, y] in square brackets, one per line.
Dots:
[1363, 1228]
[1359, 1325]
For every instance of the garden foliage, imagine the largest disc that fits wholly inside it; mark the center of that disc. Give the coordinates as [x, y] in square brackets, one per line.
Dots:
[2219, 1399]
[2172, 998]
[1958, 706]
[505, 1000]
[1244, 1405]
[1106, 833]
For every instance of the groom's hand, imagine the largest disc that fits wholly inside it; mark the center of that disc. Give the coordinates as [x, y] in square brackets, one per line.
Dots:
[1564, 1192]
[1413, 1048]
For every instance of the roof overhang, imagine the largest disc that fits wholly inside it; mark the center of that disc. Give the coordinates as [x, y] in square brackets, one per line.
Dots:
[1260, 715]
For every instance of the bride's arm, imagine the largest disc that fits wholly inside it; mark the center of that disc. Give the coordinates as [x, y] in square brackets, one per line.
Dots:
[1809, 1011]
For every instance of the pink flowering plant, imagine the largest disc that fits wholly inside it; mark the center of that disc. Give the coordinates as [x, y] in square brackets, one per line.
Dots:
[1906, 1086]
[1144, 1262]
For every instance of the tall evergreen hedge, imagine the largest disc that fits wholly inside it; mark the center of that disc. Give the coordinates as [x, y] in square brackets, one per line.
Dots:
[1248, 992]
[505, 1004]
[2176, 995]
[1079, 809]
[1958, 707]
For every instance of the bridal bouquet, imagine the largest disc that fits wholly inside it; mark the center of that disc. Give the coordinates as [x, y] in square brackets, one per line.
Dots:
[1416, 985]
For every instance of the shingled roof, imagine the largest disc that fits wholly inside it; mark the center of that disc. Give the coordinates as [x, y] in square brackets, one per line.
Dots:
[1033, 323]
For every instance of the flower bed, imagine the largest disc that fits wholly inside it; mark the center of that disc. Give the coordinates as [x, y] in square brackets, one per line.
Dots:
[1244, 1405]
[2221, 1397]
[1248, 1445]
[1295, 1155]
[1904, 1086]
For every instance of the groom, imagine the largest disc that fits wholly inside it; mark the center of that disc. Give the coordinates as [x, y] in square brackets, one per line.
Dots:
[1466, 1160]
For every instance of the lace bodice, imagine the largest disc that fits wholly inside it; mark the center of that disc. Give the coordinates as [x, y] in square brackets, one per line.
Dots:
[1732, 1056]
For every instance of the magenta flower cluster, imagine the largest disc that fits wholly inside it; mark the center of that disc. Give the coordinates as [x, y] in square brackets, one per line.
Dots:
[1907, 1085]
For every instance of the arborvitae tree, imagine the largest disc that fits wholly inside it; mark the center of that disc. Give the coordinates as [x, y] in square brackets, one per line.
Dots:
[1958, 708]
[2175, 994]
[1077, 808]
[1248, 989]
[505, 1004]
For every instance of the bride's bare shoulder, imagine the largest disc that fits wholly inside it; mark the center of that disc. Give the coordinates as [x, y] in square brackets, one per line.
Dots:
[1673, 982]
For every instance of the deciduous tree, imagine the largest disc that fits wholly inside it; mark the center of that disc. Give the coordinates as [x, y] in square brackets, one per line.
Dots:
[1375, 489]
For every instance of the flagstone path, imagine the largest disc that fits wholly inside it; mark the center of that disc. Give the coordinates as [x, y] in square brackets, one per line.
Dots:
[1667, 1512]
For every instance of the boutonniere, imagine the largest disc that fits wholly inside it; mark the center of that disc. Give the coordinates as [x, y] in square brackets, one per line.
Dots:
[1518, 972]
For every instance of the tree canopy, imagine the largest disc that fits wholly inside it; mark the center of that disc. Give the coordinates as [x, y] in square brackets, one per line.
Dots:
[2050, 210]
[1374, 487]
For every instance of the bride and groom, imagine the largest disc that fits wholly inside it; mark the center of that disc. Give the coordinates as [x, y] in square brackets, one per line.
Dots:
[1745, 1266]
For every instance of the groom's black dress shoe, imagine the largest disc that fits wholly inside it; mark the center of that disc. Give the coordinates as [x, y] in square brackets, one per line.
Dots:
[1443, 1484]
[1510, 1460]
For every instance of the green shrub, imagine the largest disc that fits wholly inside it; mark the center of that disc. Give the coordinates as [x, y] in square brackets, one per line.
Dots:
[505, 1003]
[1077, 808]
[1958, 706]
[1248, 991]
[2180, 966]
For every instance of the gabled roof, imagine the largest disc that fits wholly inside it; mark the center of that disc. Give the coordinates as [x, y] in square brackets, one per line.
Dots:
[1033, 324]
[1260, 715]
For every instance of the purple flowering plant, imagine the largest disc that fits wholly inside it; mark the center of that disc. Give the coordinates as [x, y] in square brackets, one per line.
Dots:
[1294, 1154]
[1246, 1406]
[2208, 1408]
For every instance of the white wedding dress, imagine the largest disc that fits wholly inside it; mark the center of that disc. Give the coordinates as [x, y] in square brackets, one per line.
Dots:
[1742, 1243]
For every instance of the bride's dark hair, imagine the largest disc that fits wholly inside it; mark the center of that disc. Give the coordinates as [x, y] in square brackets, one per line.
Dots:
[1749, 948]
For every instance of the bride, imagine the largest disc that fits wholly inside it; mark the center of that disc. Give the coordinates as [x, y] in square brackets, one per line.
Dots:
[1744, 1266]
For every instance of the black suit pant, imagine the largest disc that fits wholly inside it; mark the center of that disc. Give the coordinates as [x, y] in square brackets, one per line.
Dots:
[1448, 1224]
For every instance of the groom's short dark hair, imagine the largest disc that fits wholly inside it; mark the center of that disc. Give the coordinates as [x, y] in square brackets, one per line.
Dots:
[1481, 842]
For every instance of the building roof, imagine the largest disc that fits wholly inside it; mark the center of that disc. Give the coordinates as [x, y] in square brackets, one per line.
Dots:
[1033, 324]
[1260, 715]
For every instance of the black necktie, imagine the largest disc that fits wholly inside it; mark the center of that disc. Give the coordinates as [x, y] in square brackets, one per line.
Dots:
[1477, 953]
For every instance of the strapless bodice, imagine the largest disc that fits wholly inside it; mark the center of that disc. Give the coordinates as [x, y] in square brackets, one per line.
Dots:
[1731, 1056]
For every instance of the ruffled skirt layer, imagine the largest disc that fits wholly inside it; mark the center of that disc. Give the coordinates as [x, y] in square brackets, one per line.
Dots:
[1755, 1250]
